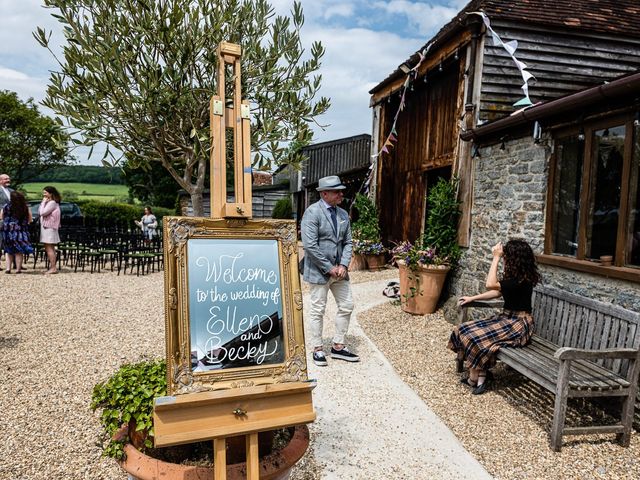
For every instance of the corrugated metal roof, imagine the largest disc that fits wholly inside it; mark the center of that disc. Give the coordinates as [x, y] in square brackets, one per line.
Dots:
[613, 17]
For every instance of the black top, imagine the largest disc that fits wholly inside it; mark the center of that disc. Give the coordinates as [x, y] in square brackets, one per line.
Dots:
[517, 295]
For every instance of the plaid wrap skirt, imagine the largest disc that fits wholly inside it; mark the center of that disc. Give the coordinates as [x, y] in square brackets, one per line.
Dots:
[479, 340]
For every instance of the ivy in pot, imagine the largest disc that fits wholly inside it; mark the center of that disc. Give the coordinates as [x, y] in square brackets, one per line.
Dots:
[127, 398]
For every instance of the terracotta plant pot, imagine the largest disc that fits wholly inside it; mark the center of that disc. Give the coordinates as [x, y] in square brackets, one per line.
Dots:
[357, 262]
[375, 262]
[420, 289]
[275, 466]
[606, 260]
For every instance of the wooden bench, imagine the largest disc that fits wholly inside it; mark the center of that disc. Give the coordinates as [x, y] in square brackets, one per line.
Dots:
[580, 348]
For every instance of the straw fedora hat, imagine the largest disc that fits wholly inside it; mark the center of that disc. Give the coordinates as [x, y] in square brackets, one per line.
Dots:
[331, 182]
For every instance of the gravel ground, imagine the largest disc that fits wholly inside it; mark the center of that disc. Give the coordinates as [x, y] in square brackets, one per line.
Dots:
[61, 334]
[507, 428]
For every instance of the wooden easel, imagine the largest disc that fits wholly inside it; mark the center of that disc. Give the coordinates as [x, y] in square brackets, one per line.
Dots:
[227, 413]
[246, 411]
[233, 116]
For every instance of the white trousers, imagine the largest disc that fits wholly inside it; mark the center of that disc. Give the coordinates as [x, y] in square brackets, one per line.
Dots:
[341, 290]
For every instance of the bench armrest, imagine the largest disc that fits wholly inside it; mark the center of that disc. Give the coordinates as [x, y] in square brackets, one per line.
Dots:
[569, 353]
[484, 304]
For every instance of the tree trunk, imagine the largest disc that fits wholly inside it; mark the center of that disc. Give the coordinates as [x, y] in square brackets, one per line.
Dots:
[197, 203]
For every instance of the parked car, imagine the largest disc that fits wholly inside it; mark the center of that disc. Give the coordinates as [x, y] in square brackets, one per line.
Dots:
[70, 212]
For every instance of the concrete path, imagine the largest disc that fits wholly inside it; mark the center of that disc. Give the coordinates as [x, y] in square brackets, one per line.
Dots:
[370, 423]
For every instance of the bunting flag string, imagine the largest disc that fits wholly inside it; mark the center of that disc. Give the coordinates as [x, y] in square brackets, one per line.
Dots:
[510, 47]
[392, 138]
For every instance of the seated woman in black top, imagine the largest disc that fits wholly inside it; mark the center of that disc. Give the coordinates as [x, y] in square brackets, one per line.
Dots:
[477, 341]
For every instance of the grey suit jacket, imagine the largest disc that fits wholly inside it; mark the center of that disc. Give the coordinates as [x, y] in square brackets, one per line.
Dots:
[323, 247]
[4, 199]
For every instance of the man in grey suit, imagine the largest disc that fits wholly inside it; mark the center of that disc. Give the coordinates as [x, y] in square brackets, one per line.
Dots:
[5, 196]
[5, 191]
[326, 238]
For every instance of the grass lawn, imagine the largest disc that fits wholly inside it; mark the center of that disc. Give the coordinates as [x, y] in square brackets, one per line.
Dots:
[85, 191]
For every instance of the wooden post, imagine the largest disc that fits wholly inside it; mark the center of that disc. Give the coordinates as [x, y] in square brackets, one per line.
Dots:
[235, 118]
[219, 459]
[253, 457]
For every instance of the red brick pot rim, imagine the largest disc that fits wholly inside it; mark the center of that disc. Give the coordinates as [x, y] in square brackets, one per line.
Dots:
[274, 466]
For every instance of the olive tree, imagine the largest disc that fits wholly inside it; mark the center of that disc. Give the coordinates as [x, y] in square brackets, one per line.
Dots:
[139, 74]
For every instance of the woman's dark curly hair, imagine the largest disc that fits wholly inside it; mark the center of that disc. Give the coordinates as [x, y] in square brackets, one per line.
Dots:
[520, 262]
[18, 206]
[53, 191]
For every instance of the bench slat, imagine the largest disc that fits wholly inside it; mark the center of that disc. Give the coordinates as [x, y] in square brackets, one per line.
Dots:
[584, 320]
[621, 341]
[585, 375]
[613, 338]
[608, 308]
[582, 376]
[592, 368]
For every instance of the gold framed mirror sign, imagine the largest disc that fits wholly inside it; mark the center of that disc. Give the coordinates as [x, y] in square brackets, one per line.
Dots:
[233, 304]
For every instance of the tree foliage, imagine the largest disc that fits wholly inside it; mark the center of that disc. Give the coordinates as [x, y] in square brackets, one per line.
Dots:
[139, 75]
[30, 142]
[80, 174]
[152, 186]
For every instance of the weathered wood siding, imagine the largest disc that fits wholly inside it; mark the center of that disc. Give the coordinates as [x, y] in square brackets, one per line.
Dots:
[427, 139]
[262, 203]
[336, 157]
[562, 61]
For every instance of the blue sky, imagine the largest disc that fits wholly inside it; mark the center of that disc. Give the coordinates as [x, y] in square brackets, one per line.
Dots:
[365, 40]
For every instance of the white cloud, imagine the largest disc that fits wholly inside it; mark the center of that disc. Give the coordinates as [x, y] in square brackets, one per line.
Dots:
[424, 17]
[25, 85]
[356, 59]
[18, 49]
[342, 10]
[358, 55]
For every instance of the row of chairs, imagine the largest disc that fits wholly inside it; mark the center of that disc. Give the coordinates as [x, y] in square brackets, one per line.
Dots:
[85, 248]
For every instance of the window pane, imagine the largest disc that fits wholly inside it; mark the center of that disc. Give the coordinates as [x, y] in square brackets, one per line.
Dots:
[566, 195]
[606, 179]
[633, 246]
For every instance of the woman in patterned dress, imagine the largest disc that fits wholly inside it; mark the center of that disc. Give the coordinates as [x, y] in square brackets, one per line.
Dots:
[16, 217]
[476, 342]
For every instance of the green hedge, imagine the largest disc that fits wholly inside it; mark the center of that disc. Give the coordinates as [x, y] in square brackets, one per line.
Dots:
[118, 213]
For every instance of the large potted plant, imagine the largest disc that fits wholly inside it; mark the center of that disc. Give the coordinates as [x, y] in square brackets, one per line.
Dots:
[424, 264]
[126, 404]
[366, 235]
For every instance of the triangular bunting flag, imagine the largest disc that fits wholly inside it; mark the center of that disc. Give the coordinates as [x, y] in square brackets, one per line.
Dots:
[523, 101]
[511, 46]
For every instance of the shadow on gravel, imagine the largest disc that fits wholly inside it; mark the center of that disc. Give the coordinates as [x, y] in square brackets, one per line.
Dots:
[537, 403]
[9, 342]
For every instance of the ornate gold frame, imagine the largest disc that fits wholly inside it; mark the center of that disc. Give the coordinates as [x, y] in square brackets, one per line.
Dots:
[180, 378]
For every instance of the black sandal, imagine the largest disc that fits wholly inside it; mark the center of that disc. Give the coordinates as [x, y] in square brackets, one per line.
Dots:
[482, 387]
[466, 381]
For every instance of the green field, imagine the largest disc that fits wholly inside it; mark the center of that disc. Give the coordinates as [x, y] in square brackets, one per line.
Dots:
[85, 191]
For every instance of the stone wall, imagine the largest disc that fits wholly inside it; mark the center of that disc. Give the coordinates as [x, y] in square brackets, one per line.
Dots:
[510, 188]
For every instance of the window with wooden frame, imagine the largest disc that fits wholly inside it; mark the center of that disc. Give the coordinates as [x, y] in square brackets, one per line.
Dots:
[593, 202]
